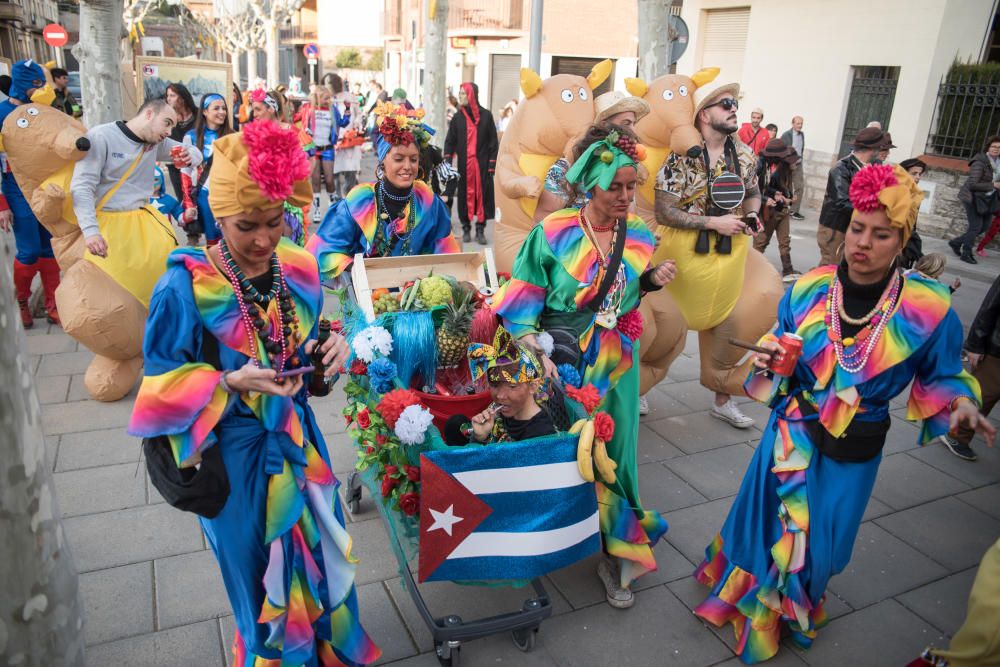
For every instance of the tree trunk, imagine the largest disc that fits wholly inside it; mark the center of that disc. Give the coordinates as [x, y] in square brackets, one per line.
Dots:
[40, 622]
[653, 41]
[271, 49]
[235, 55]
[252, 71]
[436, 68]
[101, 27]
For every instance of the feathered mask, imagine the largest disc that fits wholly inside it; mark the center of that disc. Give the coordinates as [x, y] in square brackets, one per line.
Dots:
[880, 186]
[506, 361]
[399, 126]
[602, 160]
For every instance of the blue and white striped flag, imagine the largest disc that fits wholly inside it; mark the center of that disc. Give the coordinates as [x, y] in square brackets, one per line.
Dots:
[505, 511]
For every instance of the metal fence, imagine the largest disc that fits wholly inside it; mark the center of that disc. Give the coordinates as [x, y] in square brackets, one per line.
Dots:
[966, 112]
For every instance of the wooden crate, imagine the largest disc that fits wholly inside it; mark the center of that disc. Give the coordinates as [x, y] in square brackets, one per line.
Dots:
[478, 268]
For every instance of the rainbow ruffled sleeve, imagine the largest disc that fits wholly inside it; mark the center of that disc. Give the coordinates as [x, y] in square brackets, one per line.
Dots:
[763, 387]
[335, 241]
[180, 396]
[521, 301]
[940, 380]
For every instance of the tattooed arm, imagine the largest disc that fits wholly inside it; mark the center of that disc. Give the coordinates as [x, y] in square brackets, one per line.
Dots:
[667, 213]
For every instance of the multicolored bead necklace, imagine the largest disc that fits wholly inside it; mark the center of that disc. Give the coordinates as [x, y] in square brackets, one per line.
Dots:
[383, 242]
[277, 340]
[853, 352]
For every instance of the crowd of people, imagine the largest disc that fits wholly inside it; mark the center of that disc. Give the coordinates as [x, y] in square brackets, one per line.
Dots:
[233, 325]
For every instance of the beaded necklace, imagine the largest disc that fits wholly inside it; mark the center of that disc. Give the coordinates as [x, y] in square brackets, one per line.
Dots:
[853, 352]
[277, 340]
[383, 242]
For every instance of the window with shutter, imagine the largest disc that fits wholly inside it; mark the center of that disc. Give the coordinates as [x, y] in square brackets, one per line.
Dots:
[724, 40]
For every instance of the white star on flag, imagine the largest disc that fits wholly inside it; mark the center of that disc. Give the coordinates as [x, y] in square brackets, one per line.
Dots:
[444, 520]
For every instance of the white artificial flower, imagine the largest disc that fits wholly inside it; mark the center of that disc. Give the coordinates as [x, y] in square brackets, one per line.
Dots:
[370, 340]
[546, 343]
[412, 425]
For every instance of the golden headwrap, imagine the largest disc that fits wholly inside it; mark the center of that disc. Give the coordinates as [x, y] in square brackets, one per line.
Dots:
[507, 360]
[260, 167]
[890, 188]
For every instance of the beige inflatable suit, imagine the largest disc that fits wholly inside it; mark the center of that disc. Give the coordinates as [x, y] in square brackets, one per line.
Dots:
[42, 145]
[720, 296]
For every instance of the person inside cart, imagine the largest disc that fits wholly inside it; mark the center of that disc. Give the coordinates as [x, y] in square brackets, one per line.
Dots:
[515, 376]
[396, 215]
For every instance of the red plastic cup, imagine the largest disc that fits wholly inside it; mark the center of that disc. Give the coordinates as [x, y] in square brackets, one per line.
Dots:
[783, 363]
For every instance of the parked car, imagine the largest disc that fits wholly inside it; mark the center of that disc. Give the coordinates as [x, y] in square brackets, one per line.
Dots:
[74, 87]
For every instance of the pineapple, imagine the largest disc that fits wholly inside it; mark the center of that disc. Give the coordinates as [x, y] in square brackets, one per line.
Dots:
[453, 334]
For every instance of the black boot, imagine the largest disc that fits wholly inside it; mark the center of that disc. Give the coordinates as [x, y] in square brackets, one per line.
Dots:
[481, 234]
[956, 246]
[967, 257]
[466, 233]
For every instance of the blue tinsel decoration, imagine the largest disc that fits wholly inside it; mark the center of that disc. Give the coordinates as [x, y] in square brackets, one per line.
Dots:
[414, 348]
[569, 375]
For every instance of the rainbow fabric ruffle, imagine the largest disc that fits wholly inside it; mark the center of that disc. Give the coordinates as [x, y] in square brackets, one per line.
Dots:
[627, 536]
[755, 609]
[520, 304]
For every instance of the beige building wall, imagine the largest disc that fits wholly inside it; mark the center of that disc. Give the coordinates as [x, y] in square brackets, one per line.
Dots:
[799, 55]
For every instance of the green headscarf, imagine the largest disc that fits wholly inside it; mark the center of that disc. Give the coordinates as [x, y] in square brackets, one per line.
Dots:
[599, 164]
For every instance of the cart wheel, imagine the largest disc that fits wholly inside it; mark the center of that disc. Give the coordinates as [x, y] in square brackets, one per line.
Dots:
[353, 493]
[524, 640]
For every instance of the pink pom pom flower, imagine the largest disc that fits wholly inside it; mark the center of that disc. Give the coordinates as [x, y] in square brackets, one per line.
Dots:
[868, 183]
[275, 158]
[631, 324]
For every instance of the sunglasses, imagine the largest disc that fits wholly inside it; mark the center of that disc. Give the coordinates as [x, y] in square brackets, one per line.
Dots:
[728, 104]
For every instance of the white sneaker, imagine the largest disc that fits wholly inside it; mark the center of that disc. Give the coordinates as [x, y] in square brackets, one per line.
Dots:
[316, 213]
[617, 596]
[728, 412]
[643, 406]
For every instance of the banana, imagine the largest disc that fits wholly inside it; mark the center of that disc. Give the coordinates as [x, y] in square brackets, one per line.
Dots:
[605, 465]
[584, 460]
[577, 426]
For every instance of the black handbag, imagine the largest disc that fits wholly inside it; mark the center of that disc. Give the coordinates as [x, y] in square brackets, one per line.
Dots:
[985, 203]
[567, 328]
[203, 490]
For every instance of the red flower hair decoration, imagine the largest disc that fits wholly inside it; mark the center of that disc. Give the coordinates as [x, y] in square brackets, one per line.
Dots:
[868, 183]
[275, 159]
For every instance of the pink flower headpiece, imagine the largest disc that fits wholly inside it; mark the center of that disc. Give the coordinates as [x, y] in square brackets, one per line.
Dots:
[882, 187]
[275, 158]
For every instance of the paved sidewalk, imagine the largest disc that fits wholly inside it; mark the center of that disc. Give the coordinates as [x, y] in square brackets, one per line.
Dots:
[153, 595]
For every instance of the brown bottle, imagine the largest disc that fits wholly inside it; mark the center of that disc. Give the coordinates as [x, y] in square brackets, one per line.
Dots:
[318, 385]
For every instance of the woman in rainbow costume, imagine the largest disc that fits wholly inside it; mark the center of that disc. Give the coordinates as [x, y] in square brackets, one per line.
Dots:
[566, 263]
[255, 299]
[867, 331]
[397, 214]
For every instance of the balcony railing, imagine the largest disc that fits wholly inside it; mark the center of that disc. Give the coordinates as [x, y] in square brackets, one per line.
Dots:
[297, 33]
[486, 15]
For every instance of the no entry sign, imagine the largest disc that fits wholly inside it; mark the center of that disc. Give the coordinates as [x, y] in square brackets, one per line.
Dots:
[55, 35]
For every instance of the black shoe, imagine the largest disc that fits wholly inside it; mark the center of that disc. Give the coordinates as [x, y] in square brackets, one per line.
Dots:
[798, 216]
[466, 236]
[956, 246]
[968, 258]
[963, 452]
[481, 236]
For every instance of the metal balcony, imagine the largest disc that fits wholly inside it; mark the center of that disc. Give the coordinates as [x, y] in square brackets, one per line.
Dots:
[486, 17]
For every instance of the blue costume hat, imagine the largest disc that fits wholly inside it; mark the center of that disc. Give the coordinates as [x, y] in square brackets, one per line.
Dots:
[24, 76]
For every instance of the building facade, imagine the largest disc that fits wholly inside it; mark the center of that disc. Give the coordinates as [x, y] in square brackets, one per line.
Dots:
[21, 25]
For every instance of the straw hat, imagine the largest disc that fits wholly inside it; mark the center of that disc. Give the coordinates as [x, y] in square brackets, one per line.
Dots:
[615, 102]
[711, 92]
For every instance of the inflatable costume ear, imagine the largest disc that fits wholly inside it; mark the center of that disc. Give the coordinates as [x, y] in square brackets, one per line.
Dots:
[636, 87]
[531, 83]
[704, 75]
[599, 74]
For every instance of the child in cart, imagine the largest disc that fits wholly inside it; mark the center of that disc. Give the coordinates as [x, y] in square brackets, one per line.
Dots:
[515, 379]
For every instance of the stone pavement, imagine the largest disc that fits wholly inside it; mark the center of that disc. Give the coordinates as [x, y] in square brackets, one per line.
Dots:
[153, 595]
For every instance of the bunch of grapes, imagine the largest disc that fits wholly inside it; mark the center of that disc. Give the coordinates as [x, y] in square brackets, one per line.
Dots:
[627, 146]
[385, 303]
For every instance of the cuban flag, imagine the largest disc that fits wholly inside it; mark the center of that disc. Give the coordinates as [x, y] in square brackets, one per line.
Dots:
[506, 511]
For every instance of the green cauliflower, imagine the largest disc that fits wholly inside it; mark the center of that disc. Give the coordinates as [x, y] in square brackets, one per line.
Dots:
[435, 291]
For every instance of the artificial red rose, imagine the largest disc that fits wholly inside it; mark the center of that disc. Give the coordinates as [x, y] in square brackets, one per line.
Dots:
[604, 426]
[364, 419]
[588, 396]
[336, 326]
[359, 367]
[393, 404]
[391, 471]
[369, 450]
[347, 419]
[409, 503]
[412, 473]
[388, 484]
[631, 324]
[380, 439]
